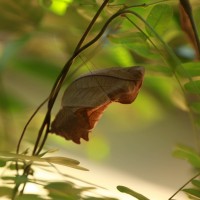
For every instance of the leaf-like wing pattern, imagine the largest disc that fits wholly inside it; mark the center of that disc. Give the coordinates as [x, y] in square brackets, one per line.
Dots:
[88, 96]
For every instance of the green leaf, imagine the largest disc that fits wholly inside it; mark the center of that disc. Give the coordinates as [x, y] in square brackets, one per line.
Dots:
[195, 106]
[61, 160]
[53, 160]
[2, 163]
[127, 38]
[131, 192]
[48, 151]
[188, 154]
[12, 166]
[62, 190]
[144, 50]
[29, 197]
[166, 70]
[193, 87]
[122, 55]
[134, 41]
[192, 193]
[17, 179]
[58, 7]
[65, 162]
[5, 191]
[196, 183]
[191, 69]
[159, 18]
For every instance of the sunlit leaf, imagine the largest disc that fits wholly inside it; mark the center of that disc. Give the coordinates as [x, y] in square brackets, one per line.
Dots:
[61, 160]
[159, 18]
[122, 55]
[59, 7]
[54, 160]
[65, 162]
[131, 192]
[48, 151]
[193, 193]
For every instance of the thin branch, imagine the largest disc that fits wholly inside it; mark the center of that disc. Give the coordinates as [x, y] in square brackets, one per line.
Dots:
[24, 130]
[184, 186]
[59, 81]
[146, 4]
[25, 127]
[91, 25]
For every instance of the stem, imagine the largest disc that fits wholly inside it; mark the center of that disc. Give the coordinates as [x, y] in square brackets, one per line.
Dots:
[187, 8]
[57, 86]
[45, 122]
[91, 25]
[24, 130]
[184, 186]
[146, 4]
[45, 137]
[59, 81]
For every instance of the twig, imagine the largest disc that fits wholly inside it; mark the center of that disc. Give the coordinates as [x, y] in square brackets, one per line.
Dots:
[184, 186]
[58, 83]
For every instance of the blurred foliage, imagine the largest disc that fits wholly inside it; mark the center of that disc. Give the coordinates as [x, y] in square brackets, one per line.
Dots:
[38, 36]
[131, 192]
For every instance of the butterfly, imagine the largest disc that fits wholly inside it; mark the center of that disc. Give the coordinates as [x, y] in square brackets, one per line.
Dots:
[88, 96]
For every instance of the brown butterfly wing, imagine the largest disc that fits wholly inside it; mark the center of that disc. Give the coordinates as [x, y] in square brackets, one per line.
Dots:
[76, 125]
[87, 97]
